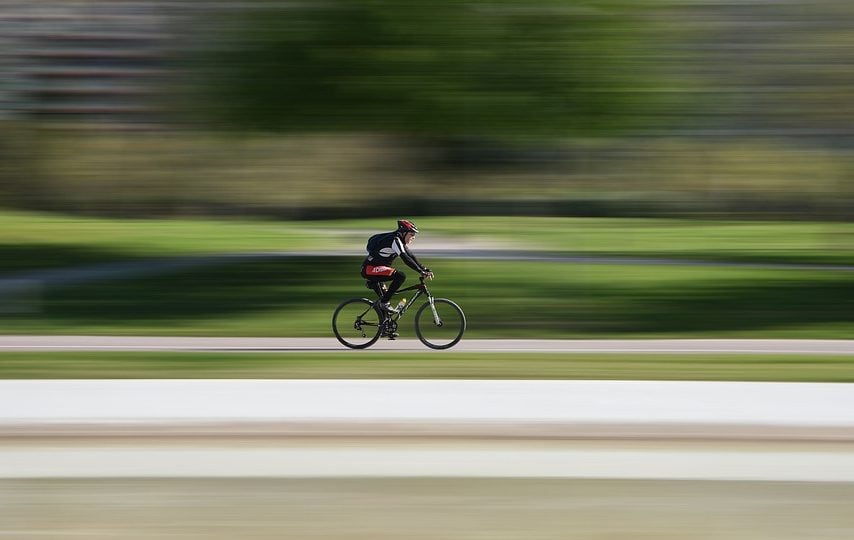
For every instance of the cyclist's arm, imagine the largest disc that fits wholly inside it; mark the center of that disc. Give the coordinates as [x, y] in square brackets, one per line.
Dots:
[407, 256]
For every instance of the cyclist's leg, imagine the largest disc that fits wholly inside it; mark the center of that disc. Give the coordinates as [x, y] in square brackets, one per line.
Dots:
[372, 281]
[376, 277]
[397, 280]
[375, 286]
[379, 274]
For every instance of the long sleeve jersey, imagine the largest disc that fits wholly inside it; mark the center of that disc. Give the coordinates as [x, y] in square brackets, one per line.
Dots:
[384, 248]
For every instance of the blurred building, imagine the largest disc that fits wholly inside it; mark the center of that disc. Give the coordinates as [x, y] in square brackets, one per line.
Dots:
[96, 62]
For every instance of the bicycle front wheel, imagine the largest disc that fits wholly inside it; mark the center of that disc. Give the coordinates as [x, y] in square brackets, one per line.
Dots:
[442, 328]
[356, 323]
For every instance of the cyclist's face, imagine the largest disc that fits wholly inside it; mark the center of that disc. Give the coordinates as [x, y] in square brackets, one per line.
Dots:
[408, 238]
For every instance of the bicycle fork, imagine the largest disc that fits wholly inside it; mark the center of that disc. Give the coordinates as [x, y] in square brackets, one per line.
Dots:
[436, 320]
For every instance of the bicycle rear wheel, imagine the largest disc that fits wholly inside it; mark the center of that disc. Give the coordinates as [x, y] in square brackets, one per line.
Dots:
[356, 323]
[445, 329]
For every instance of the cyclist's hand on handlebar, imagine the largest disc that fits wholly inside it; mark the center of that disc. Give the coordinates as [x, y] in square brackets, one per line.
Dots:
[427, 274]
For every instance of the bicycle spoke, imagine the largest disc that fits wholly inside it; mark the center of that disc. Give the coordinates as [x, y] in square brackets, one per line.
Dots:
[440, 325]
[356, 323]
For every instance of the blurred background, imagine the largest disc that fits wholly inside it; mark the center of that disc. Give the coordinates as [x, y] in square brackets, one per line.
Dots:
[599, 168]
[650, 131]
[347, 109]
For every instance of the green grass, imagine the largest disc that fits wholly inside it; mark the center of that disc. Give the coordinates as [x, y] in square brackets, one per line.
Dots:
[296, 297]
[804, 242]
[35, 240]
[417, 365]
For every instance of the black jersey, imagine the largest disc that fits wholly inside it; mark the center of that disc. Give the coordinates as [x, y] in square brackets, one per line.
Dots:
[384, 248]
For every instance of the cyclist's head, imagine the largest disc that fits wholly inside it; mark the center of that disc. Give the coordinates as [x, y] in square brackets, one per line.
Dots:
[405, 226]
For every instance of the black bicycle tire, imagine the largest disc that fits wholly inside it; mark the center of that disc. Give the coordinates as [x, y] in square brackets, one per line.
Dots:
[418, 323]
[341, 339]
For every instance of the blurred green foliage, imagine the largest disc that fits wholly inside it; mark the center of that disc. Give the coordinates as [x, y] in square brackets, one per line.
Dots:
[554, 107]
[439, 68]
[181, 173]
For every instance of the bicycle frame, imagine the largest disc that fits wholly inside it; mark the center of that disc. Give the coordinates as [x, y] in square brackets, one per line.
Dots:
[420, 289]
[385, 323]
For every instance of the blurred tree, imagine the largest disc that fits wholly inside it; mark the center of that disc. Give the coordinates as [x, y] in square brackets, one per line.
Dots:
[440, 68]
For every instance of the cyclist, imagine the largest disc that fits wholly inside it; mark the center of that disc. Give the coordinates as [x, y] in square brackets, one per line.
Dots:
[384, 248]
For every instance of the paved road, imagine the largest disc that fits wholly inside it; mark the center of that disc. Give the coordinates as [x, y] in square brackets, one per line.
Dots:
[829, 405]
[444, 408]
[427, 428]
[615, 346]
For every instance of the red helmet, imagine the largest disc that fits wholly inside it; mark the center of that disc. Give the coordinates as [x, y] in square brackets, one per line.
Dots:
[406, 226]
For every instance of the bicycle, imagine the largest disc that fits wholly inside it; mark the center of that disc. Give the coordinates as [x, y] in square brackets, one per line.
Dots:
[439, 323]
